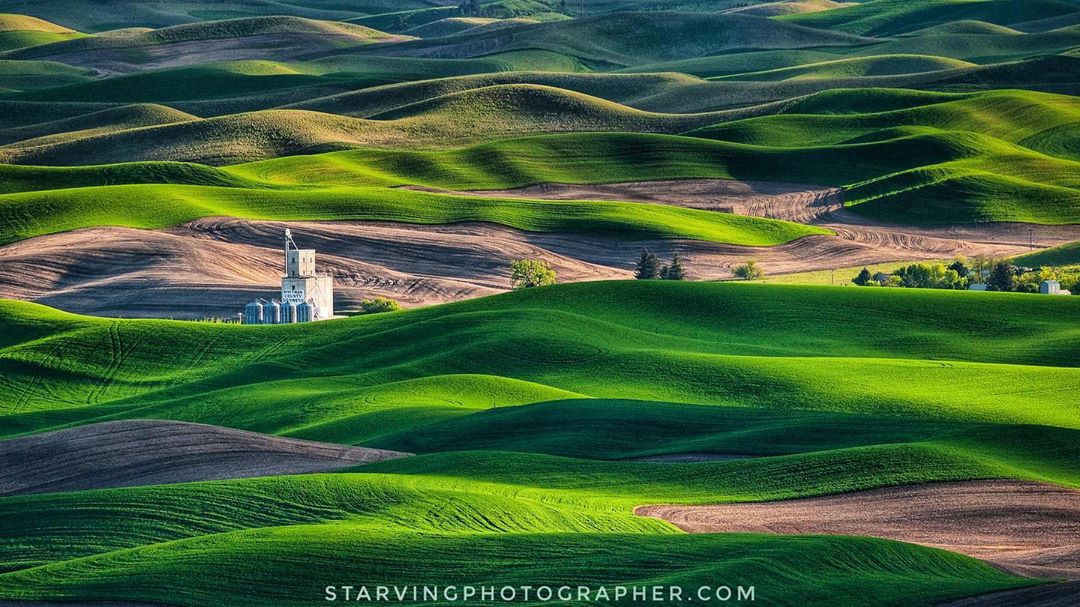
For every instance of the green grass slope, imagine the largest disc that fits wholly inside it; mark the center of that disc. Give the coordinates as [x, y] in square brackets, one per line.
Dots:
[627, 39]
[245, 38]
[455, 119]
[118, 14]
[701, 343]
[929, 174]
[884, 65]
[774, 376]
[618, 429]
[25, 215]
[208, 81]
[1019, 154]
[25, 75]
[95, 123]
[892, 17]
[22, 31]
[1062, 255]
[842, 567]
[624, 89]
[1010, 116]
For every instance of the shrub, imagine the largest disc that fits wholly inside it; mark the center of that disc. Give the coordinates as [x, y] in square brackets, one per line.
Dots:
[376, 305]
[530, 273]
[749, 271]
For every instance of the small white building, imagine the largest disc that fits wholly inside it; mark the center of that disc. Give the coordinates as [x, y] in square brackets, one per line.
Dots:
[1052, 287]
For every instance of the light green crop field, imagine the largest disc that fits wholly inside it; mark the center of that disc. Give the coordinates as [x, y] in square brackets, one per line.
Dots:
[923, 158]
[1062, 255]
[892, 17]
[510, 488]
[685, 332]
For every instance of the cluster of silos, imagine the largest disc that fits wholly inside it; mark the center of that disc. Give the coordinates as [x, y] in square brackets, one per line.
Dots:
[274, 312]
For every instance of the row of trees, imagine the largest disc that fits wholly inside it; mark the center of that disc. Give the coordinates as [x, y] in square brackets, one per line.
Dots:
[1007, 277]
[649, 268]
[997, 274]
[918, 276]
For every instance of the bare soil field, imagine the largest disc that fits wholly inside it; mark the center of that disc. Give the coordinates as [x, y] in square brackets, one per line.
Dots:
[793, 202]
[807, 204]
[153, 452]
[1062, 594]
[1027, 528]
[212, 267]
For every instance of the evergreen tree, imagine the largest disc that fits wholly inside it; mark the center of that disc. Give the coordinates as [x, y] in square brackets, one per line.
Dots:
[674, 271]
[863, 278]
[648, 266]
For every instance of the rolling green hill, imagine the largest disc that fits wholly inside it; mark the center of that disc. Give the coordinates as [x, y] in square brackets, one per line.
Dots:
[94, 123]
[1010, 116]
[452, 120]
[21, 31]
[345, 380]
[1062, 255]
[594, 336]
[624, 89]
[23, 75]
[118, 14]
[286, 557]
[626, 39]
[26, 215]
[797, 389]
[886, 65]
[892, 17]
[247, 38]
[902, 156]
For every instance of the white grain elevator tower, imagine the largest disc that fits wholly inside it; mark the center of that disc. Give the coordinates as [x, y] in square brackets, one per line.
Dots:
[301, 285]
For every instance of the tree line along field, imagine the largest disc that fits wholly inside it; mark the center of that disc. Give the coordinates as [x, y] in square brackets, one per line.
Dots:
[531, 436]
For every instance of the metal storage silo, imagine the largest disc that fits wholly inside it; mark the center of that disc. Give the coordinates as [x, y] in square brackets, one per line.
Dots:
[305, 312]
[253, 313]
[272, 313]
[288, 312]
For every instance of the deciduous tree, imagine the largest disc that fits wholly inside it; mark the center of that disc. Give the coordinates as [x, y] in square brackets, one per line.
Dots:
[530, 273]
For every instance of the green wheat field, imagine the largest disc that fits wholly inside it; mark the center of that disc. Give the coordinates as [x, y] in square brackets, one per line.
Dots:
[591, 433]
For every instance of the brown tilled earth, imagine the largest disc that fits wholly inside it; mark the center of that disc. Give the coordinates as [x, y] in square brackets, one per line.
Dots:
[1062, 594]
[1027, 528]
[212, 267]
[154, 452]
